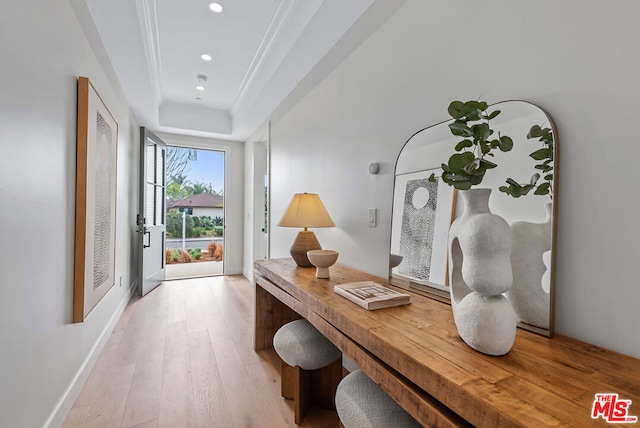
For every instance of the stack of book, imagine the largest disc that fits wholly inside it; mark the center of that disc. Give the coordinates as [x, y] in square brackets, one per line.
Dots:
[371, 295]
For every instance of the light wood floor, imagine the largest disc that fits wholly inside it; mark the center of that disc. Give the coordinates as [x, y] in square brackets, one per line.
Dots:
[182, 356]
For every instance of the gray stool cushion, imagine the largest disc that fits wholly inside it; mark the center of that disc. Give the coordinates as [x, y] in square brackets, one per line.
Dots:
[361, 403]
[299, 344]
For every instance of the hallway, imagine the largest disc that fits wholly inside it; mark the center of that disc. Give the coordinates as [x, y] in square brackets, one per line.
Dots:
[183, 357]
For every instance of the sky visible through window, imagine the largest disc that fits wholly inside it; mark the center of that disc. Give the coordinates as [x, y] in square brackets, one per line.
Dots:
[208, 169]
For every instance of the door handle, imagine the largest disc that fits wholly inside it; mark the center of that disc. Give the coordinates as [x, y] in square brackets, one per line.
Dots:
[146, 232]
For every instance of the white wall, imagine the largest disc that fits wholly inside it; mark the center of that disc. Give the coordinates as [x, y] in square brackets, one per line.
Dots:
[577, 60]
[211, 212]
[233, 192]
[254, 167]
[42, 354]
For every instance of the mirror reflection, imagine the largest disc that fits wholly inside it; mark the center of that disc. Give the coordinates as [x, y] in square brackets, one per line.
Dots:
[423, 211]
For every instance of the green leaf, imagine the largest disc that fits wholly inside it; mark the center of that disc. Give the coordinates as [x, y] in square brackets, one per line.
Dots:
[432, 177]
[476, 179]
[463, 144]
[472, 110]
[516, 192]
[462, 185]
[460, 129]
[541, 192]
[487, 164]
[540, 154]
[535, 132]
[548, 177]
[455, 109]
[458, 161]
[543, 189]
[506, 143]
[493, 114]
[504, 189]
[485, 147]
[481, 131]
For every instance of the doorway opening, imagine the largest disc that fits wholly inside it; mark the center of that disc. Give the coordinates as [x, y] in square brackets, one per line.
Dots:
[195, 212]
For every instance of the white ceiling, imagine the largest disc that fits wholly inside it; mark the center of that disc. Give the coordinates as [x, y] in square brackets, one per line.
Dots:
[261, 50]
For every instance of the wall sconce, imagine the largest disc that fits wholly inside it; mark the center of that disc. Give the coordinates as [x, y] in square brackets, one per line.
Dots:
[305, 210]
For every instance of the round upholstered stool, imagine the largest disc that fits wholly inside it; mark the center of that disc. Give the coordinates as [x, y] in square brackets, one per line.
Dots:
[361, 403]
[300, 344]
[311, 366]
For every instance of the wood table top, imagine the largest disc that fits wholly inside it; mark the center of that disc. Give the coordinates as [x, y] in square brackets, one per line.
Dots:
[540, 382]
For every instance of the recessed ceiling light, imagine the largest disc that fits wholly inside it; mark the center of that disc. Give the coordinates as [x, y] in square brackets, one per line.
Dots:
[205, 57]
[215, 7]
[200, 88]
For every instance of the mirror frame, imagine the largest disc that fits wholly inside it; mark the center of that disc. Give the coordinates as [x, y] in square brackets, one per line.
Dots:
[441, 293]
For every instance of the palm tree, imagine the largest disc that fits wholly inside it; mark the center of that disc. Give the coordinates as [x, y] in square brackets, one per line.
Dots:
[177, 187]
[198, 187]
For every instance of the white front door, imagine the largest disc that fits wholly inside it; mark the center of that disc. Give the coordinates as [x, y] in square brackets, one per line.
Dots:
[151, 220]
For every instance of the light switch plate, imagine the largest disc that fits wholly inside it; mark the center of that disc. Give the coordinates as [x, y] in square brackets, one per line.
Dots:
[373, 217]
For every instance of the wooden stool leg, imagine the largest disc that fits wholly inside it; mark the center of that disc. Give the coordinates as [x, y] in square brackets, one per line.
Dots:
[295, 384]
[287, 374]
[302, 395]
[325, 382]
[310, 387]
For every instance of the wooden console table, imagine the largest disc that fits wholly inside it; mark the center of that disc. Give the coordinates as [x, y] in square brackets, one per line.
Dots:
[415, 354]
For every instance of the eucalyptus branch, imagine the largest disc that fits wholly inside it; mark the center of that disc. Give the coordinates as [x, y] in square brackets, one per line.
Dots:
[471, 122]
[545, 167]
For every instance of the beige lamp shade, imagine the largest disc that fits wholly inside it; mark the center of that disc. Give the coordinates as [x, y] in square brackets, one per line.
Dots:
[305, 210]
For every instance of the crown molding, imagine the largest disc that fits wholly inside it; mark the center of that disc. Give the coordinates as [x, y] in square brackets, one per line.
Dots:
[278, 40]
[266, 45]
[148, 18]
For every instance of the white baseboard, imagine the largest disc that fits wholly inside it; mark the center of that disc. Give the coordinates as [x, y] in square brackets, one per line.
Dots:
[248, 273]
[64, 405]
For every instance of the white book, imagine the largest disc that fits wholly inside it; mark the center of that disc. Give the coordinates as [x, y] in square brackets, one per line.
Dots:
[371, 295]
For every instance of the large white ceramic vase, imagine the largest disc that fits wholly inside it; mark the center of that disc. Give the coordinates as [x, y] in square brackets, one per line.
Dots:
[480, 272]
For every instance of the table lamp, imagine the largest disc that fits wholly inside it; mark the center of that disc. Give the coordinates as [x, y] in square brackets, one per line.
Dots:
[305, 210]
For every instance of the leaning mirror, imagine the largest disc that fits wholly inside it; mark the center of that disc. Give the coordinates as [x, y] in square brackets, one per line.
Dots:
[423, 211]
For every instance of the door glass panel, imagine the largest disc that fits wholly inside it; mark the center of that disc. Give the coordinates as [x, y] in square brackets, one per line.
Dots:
[160, 167]
[151, 160]
[159, 207]
[150, 206]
